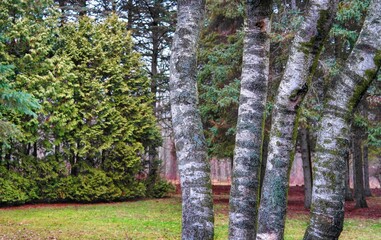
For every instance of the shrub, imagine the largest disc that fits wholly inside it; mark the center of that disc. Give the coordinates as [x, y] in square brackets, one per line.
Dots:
[15, 189]
[11, 194]
[132, 190]
[94, 186]
[162, 188]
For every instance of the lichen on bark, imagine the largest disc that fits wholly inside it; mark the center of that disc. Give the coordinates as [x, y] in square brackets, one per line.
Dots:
[304, 53]
[328, 193]
[194, 169]
[253, 94]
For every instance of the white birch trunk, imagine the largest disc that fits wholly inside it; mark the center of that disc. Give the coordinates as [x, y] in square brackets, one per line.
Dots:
[197, 202]
[247, 152]
[293, 87]
[328, 192]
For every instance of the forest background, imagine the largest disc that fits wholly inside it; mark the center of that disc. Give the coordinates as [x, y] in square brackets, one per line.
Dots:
[84, 89]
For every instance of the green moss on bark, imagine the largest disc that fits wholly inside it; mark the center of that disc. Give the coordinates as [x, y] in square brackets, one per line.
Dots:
[370, 75]
[314, 46]
[377, 58]
[360, 89]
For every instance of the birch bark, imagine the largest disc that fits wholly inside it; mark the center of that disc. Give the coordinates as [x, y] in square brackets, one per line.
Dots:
[247, 152]
[327, 210]
[293, 87]
[197, 202]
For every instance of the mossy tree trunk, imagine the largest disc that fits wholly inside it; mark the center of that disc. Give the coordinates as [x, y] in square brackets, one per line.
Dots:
[197, 202]
[328, 192]
[253, 94]
[293, 87]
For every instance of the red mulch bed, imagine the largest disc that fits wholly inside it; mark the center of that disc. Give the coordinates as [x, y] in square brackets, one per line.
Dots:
[295, 203]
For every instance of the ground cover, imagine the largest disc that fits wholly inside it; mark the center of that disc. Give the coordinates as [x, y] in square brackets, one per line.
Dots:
[159, 219]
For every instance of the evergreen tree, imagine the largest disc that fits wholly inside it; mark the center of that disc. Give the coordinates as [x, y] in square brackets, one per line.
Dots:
[12, 100]
[220, 60]
[96, 120]
[24, 38]
[114, 121]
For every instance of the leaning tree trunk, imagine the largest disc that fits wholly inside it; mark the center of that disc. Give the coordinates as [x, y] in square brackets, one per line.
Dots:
[327, 209]
[194, 168]
[307, 169]
[293, 87]
[247, 152]
[358, 177]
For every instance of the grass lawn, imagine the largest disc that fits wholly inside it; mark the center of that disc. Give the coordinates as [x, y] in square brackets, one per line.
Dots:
[146, 219]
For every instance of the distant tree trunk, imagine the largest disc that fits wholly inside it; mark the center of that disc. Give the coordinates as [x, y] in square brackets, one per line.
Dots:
[247, 152]
[328, 191]
[129, 14]
[365, 110]
[378, 174]
[307, 170]
[8, 158]
[293, 4]
[368, 193]
[305, 50]
[153, 170]
[154, 163]
[113, 6]
[348, 191]
[194, 168]
[61, 4]
[35, 150]
[358, 183]
[82, 5]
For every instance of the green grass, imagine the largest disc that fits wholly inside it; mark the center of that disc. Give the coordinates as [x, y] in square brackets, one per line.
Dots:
[354, 229]
[146, 219]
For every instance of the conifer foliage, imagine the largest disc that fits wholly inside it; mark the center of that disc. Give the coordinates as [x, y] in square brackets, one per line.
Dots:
[93, 118]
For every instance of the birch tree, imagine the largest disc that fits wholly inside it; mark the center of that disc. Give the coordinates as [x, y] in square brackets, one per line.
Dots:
[197, 202]
[327, 210]
[293, 87]
[247, 153]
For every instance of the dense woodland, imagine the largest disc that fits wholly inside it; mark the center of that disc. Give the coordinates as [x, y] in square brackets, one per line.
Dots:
[85, 104]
